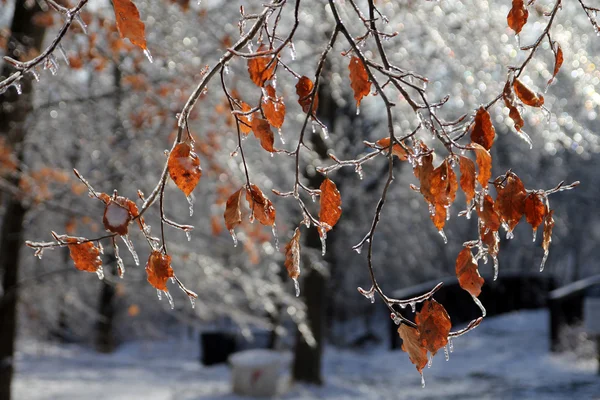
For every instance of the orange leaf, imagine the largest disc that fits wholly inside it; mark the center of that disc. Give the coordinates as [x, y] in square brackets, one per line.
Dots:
[262, 131]
[397, 150]
[292, 255]
[526, 95]
[359, 79]
[439, 217]
[483, 131]
[184, 167]
[262, 208]
[304, 89]
[261, 68]
[558, 60]
[510, 201]
[509, 101]
[467, 273]
[467, 177]
[158, 269]
[434, 326]
[517, 16]
[116, 218]
[274, 108]
[128, 22]
[331, 205]
[244, 120]
[488, 215]
[233, 212]
[535, 210]
[412, 345]
[491, 239]
[85, 256]
[484, 163]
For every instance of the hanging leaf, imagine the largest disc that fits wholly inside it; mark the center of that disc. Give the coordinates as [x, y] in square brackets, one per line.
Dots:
[424, 171]
[510, 103]
[467, 273]
[558, 60]
[262, 68]
[491, 239]
[262, 131]
[483, 131]
[467, 177]
[331, 205]
[439, 216]
[434, 326]
[116, 218]
[304, 89]
[526, 95]
[488, 214]
[292, 255]
[510, 201]
[484, 163]
[129, 23]
[262, 208]
[548, 226]
[184, 167]
[274, 108]
[233, 212]
[359, 79]
[517, 16]
[412, 345]
[535, 210]
[84, 254]
[397, 150]
[158, 269]
[244, 120]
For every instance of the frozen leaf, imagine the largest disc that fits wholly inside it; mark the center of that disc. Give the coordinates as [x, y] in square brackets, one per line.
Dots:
[527, 95]
[483, 131]
[517, 16]
[292, 255]
[535, 210]
[159, 270]
[491, 239]
[233, 212]
[274, 108]
[129, 23]
[116, 218]
[548, 225]
[304, 89]
[488, 214]
[84, 254]
[510, 103]
[467, 273]
[439, 216]
[484, 163]
[262, 68]
[434, 326]
[424, 171]
[412, 345]
[397, 150]
[262, 131]
[359, 79]
[184, 167]
[467, 177]
[558, 60]
[331, 206]
[244, 120]
[262, 208]
[510, 201]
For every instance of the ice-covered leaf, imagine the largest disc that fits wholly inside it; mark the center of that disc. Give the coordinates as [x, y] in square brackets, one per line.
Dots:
[491, 239]
[412, 345]
[510, 102]
[129, 24]
[304, 89]
[517, 16]
[184, 167]
[438, 216]
[359, 79]
[484, 164]
[467, 177]
[527, 95]
[261, 68]
[158, 269]
[262, 208]
[245, 122]
[233, 212]
[434, 326]
[467, 273]
[273, 107]
[292, 255]
[535, 210]
[483, 131]
[84, 254]
[558, 60]
[488, 214]
[331, 205]
[510, 201]
[262, 131]
[397, 150]
[116, 218]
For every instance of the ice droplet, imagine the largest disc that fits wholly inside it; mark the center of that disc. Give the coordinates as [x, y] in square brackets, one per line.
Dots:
[358, 249]
[546, 252]
[17, 86]
[81, 23]
[274, 230]
[188, 235]
[422, 381]
[357, 110]
[495, 259]
[481, 307]
[450, 345]
[292, 51]
[397, 320]
[323, 237]
[358, 169]
[325, 132]
[296, 286]
[443, 235]
[100, 272]
[280, 136]
[190, 200]
[159, 294]
[313, 197]
[149, 57]
[429, 360]
[234, 237]
[446, 353]
[226, 69]
[413, 306]
[534, 234]
[131, 249]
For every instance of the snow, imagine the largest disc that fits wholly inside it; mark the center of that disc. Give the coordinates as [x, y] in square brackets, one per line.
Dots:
[506, 357]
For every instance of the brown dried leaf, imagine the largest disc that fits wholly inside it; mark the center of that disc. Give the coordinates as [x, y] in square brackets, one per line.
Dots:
[411, 344]
[484, 163]
[489, 215]
[527, 95]
[535, 210]
[517, 16]
[558, 61]
[129, 23]
[467, 177]
[510, 103]
[510, 201]
[439, 217]
[184, 167]
[467, 273]
[233, 212]
[262, 131]
[359, 79]
[292, 255]
[85, 256]
[262, 208]
[274, 108]
[244, 120]
[116, 218]
[491, 239]
[397, 150]
[304, 89]
[158, 269]
[261, 68]
[331, 205]
[483, 131]
[434, 326]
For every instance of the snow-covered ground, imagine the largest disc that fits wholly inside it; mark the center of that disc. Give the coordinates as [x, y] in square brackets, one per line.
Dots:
[505, 358]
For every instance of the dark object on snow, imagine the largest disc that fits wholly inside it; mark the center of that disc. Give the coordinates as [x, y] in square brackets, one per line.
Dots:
[508, 293]
[216, 347]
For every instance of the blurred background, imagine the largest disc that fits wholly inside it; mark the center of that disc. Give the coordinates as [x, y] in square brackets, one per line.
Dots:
[112, 114]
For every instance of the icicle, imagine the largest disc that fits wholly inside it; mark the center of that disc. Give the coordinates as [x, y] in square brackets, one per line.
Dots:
[518, 38]
[190, 200]
[159, 294]
[481, 307]
[280, 136]
[306, 220]
[422, 380]
[534, 234]
[51, 64]
[17, 86]
[450, 345]
[192, 301]
[323, 236]
[509, 235]
[431, 210]
[226, 69]
[188, 235]
[149, 57]
[63, 54]
[429, 360]
[325, 132]
[357, 110]
[369, 294]
[81, 23]
[397, 320]
[358, 249]
[274, 230]
[358, 169]
[234, 237]
[296, 286]
[413, 306]
[525, 137]
[173, 280]
[292, 51]
[446, 353]
[469, 210]
[36, 76]
[443, 235]
[313, 197]
[314, 128]
[495, 267]
[131, 249]
[120, 265]
[170, 298]
[100, 272]
[546, 252]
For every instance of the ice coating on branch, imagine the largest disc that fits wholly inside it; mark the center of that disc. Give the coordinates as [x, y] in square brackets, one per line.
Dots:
[296, 286]
[292, 51]
[17, 86]
[190, 200]
[546, 252]
[481, 307]
[100, 272]
[369, 294]
[148, 55]
[234, 237]
[131, 249]
[274, 230]
[397, 320]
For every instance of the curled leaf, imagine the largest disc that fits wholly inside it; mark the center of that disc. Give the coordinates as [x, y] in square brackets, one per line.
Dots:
[467, 177]
[434, 326]
[484, 163]
[412, 345]
[184, 167]
[262, 208]
[292, 255]
[526, 95]
[517, 16]
[233, 212]
[261, 68]
[558, 60]
[262, 131]
[483, 131]
[129, 24]
[510, 103]
[467, 273]
[359, 79]
[273, 107]
[304, 89]
[331, 205]
[397, 150]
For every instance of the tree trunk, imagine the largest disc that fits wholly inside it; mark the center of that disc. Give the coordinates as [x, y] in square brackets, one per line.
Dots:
[14, 109]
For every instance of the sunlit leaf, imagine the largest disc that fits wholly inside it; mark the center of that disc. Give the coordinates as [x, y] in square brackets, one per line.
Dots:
[359, 79]
[517, 16]
[467, 177]
[412, 345]
[483, 131]
[510, 201]
[467, 273]
[158, 269]
[274, 108]
[233, 212]
[84, 254]
[488, 214]
[527, 95]
[510, 103]
[184, 167]
[292, 255]
[558, 60]
[244, 120]
[304, 89]
[535, 210]
[129, 24]
[484, 164]
[262, 208]
[261, 68]
[434, 326]
[397, 150]
[331, 205]
[262, 131]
